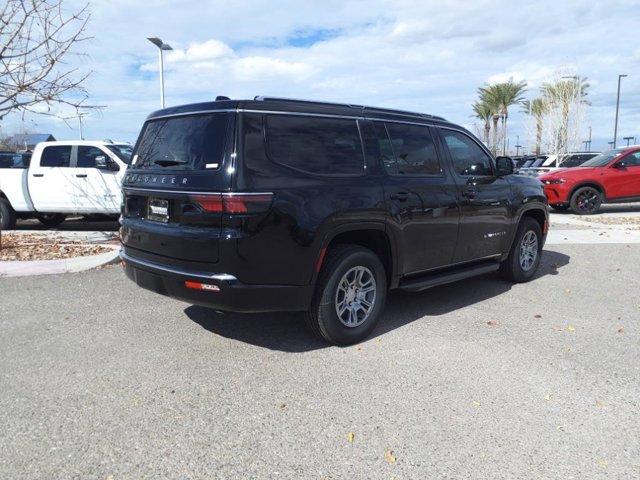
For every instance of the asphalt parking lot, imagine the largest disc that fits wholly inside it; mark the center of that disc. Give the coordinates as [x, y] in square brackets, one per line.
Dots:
[480, 379]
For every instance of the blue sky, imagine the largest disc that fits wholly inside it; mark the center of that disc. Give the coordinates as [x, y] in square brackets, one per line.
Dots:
[425, 56]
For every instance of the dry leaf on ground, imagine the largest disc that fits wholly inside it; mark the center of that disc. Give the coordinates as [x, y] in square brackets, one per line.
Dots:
[389, 456]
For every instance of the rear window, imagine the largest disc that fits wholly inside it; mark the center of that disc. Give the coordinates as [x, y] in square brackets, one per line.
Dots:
[325, 146]
[56, 156]
[194, 142]
[14, 160]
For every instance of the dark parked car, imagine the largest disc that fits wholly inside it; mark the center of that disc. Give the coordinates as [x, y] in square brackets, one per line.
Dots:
[274, 204]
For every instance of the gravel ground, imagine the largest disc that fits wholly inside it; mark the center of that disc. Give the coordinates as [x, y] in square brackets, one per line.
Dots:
[480, 379]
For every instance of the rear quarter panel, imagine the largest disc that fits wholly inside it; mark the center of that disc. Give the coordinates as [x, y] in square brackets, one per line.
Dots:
[13, 185]
[283, 246]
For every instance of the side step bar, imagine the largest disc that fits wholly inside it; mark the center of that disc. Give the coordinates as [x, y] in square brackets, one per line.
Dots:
[423, 283]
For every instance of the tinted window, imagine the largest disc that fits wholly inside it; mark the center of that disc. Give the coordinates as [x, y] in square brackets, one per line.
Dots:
[603, 159]
[56, 156]
[415, 151]
[14, 160]
[468, 158]
[87, 157]
[194, 142]
[123, 152]
[384, 147]
[632, 160]
[325, 146]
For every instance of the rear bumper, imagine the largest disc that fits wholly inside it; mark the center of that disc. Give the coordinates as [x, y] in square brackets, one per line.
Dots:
[231, 296]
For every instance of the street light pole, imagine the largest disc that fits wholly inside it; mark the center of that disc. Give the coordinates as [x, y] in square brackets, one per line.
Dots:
[615, 128]
[80, 115]
[161, 47]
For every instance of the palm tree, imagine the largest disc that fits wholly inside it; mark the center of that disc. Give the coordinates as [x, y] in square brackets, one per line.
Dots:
[484, 112]
[537, 108]
[503, 95]
[563, 93]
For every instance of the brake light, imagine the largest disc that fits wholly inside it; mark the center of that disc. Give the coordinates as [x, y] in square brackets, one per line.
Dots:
[234, 202]
[210, 203]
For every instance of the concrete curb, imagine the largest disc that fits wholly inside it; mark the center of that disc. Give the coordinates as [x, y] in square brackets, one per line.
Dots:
[53, 267]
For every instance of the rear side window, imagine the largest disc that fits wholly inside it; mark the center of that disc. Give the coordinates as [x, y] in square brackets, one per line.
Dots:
[325, 146]
[193, 142]
[14, 160]
[415, 151]
[56, 156]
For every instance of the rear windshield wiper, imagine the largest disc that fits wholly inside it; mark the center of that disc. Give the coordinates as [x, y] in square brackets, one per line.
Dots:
[168, 163]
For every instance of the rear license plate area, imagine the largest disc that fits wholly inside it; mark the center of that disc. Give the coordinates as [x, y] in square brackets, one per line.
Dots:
[158, 210]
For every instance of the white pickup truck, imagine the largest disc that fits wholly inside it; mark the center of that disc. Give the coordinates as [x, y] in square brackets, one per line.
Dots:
[62, 178]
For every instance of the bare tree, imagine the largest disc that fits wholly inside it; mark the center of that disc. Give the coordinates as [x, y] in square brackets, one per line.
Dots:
[36, 39]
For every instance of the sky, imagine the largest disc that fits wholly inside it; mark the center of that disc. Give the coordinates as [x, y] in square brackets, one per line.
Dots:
[426, 56]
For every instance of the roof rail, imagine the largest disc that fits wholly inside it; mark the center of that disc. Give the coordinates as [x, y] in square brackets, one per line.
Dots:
[363, 108]
[262, 98]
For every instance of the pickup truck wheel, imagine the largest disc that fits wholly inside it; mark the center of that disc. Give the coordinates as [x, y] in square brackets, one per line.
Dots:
[7, 215]
[586, 201]
[51, 219]
[524, 257]
[350, 295]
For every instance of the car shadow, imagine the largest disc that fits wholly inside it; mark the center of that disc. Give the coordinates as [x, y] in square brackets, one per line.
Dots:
[287, 332]
[606, 208]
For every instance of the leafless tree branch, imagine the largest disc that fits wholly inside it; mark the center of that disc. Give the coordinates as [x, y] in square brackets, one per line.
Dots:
[36, 37]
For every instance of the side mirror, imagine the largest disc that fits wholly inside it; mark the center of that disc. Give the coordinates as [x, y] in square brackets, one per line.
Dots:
[105, 163]
[621, 165]
[504, 166]
[113, 165]
[101, 162]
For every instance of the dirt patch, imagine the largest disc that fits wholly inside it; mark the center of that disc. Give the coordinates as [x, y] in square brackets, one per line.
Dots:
[613, 220]
[42, 247]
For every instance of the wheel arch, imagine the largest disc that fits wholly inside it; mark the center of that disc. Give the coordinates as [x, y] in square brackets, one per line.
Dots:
[369, 235]
[539, 213]
[588, 183]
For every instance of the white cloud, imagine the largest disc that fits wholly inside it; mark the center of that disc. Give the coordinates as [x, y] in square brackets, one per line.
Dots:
[421, 55]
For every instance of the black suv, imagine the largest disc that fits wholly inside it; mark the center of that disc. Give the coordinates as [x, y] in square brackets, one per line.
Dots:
[276, 204]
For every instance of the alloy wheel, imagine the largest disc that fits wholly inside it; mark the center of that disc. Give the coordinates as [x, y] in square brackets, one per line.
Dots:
[528, 250]
[355, 296]
[588, 200]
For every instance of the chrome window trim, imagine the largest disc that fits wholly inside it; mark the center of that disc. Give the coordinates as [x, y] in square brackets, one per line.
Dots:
[480, 144]
[189, 192]
[194, 112]
[425, 121]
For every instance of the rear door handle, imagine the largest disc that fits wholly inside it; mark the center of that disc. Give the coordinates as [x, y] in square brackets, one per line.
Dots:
[81, 175]
[400, 196]
[38, 174]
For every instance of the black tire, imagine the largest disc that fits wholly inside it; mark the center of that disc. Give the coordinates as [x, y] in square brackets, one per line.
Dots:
[51, 219]
[586, 201]
[512, 268]
[7, 215]
[560, 208]
[322, 317]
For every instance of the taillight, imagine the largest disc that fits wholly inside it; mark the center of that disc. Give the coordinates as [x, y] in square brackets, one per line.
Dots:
[209, 203]
[234, 202]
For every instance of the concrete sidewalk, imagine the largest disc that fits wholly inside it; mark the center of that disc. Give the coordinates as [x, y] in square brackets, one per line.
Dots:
[64, 265]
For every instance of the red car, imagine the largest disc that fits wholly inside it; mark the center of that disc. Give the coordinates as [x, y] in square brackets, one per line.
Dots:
[611, 177]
